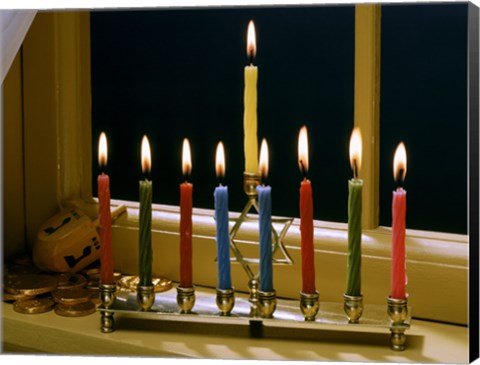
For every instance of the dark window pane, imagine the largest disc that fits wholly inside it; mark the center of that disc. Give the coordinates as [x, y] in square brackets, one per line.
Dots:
[424, 103]
[172, 74]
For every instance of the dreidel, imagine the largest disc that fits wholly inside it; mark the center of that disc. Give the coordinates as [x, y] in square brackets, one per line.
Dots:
[69, 241]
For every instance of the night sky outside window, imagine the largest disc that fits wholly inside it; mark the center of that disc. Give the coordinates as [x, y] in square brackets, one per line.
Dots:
[175, 74]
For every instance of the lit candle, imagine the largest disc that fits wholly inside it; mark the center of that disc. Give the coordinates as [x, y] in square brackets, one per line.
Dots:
[104, 216]
[265, 224]
[250, 105]
[145, 235]
[399, 209]
[186, 190]
[354, 254]
[306, 217]
[221, 219]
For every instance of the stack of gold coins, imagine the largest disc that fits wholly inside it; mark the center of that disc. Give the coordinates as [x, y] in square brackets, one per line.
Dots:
[72, 298]
[30, 292]
[75, 302]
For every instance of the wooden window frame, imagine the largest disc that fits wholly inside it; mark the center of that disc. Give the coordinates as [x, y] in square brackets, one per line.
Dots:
[57, 119]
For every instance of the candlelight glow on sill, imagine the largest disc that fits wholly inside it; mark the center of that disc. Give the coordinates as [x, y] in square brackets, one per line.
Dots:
[102, 150]
[356, 151]
[186, 158]
[264, 159]
[220, 161]
[303, 150]
[146, 156]
[400, 163]
[251, 40]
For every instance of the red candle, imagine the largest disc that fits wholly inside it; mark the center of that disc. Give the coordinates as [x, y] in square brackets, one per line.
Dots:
[186, 190]
[399, 209]
[306, 217]
[104, 217]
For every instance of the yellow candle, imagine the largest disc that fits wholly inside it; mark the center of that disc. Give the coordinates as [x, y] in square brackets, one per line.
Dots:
[250, 106]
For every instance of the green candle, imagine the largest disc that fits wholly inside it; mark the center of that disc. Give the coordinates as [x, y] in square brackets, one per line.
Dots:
[354, 262]
[145, 224]
[354, 253]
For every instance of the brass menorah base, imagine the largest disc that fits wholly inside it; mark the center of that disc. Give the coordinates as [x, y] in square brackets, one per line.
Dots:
[392, 319]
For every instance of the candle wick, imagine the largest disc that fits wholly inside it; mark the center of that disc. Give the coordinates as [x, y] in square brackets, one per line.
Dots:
[355, 169]
[400, 178]
[250, 58]
[304, 171]
[186, 176]
[146, 175]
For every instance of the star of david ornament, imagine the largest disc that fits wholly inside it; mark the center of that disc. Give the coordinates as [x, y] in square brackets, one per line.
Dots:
[280, 227]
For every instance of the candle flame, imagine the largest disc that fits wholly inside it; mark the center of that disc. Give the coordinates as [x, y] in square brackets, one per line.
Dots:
[356, 150]
[251, 40]
[400, 163]
[263, 164]
[220, 161]
[303, 150]
[186, 158]
[146, 158]
[102, 150]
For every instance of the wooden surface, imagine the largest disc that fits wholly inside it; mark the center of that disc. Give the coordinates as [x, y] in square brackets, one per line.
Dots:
[428, 342]
[367, 105]
[13, 174]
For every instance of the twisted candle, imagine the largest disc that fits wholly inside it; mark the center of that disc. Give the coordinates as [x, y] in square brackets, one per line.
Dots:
[145, 224]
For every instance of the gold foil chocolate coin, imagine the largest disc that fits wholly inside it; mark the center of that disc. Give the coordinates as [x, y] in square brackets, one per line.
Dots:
[71, 281]
[92, 273]
[77, 310]
[11, 297]
[131, 282]
[93, 285]
[71, 297]
[31, 284]
[33, 306]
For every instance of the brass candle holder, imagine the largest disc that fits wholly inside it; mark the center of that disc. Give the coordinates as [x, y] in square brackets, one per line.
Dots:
[225, 301]
[250, 182]
[398, 313]
[107, 299]
[309, 305]
[267, 301]
[185, 299]
[353, 307]
[145, 297]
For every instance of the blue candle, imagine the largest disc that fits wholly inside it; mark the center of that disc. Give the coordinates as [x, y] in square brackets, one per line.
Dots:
[223, 238]
[221, 216]
[265, 224]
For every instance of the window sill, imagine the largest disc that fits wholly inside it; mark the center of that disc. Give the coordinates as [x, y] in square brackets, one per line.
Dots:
[437, 263]
[427, 342]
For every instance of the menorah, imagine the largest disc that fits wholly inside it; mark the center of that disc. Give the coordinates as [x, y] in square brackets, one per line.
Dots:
[258, 308]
